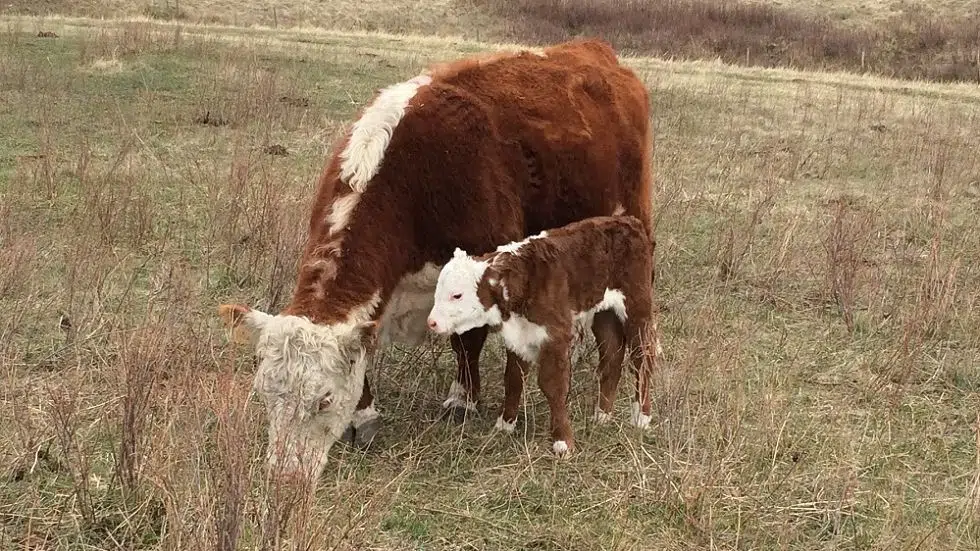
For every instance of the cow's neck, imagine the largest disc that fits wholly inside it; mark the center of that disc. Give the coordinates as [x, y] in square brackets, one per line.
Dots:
[352, 285]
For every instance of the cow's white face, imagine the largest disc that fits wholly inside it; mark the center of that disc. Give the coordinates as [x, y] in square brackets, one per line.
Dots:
[310, 377]
[457, 308]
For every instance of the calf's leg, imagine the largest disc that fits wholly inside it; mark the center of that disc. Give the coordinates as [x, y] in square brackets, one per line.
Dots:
[464, 393]
[642, 342]
[610, 338]
[514, 374]
[553, 378]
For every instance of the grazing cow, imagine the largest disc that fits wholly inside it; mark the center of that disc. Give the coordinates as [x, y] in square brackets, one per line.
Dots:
[470, 154]
[536, 290]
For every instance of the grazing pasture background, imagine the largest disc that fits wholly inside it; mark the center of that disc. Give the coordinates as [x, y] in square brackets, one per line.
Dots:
[937, 40]
[818, 268]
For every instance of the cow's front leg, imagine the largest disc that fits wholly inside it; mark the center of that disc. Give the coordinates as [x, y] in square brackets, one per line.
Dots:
[464, 393]
[366, 422]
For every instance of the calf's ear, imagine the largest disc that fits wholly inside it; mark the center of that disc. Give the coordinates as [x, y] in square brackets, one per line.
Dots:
[243, 323]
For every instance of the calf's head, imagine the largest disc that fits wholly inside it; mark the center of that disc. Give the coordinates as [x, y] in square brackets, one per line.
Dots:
[465, 296]
[310, 377]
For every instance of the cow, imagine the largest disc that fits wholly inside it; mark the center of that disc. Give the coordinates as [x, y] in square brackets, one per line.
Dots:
[536, 290]
[470, 154]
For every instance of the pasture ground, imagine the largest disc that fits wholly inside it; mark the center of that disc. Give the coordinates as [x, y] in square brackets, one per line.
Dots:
[818, 257]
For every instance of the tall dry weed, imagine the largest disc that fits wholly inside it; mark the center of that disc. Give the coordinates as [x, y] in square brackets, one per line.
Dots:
[74, 451]
[141, 359]
[229, 467]
[845, 244]
[738, 241]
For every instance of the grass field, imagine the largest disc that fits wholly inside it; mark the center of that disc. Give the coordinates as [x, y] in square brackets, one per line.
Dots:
[910, 39]
[818, 256]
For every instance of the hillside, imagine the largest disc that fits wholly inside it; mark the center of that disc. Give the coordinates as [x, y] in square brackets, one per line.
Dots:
[818, 259]
[913, 39]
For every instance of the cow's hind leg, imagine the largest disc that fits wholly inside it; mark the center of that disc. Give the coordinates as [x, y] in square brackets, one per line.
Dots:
[610, 339]
[464, 393]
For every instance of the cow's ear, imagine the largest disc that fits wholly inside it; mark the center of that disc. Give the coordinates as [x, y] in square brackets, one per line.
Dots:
[367, 333]
[243, 323]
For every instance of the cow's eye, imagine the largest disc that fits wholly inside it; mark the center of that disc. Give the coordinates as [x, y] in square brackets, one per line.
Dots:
[457, 296]
[325, 402]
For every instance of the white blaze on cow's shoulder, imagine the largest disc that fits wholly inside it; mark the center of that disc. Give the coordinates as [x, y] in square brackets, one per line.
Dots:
[365, 150]
[341, 210]
[361, 158]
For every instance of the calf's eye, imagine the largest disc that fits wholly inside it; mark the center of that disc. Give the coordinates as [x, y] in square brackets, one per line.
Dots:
[325, 402]
[457, 296]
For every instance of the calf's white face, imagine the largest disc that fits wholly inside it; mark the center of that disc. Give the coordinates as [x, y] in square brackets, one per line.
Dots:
[310, 377]
[457, 308]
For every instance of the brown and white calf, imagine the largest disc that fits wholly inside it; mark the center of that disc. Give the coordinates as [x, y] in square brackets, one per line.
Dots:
[595, 271]
[470, 154]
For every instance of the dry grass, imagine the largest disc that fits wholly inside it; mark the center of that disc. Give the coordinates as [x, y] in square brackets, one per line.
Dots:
[442, 17]
[905, 39]
[818, 258]
[914, 44]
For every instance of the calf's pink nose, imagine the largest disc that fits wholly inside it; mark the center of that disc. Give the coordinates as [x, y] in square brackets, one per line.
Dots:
[432, 323]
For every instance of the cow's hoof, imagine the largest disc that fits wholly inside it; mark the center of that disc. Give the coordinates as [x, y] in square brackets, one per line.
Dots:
[348, 436]
[459, 413]
[365, 433]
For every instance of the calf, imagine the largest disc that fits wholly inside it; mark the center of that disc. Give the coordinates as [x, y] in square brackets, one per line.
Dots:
[595, 271]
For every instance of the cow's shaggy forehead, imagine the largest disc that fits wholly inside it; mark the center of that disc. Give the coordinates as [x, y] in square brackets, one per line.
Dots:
[300, 358]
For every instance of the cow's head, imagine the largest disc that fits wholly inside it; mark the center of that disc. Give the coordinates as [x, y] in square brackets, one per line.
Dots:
[464, 298]
[310, 377]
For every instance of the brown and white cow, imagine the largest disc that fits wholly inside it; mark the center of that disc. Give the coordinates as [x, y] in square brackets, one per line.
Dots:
[470, 154]
[594, 272]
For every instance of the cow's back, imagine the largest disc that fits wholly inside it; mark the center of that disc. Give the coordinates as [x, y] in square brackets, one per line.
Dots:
[575, 124]
[489, 150]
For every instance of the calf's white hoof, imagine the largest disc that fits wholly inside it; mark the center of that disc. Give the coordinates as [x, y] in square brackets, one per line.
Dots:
[504, 426]
[560, 448]
[638, 418]
[458, 403]
[601, 417]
